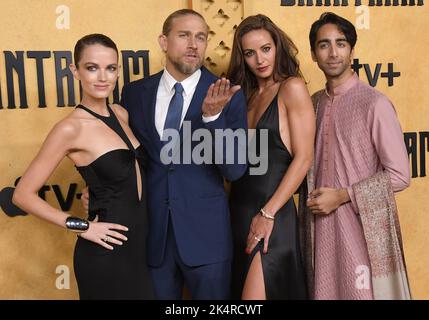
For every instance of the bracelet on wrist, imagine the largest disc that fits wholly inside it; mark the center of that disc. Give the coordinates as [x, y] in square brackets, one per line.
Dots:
[76, 224]
[266, 215]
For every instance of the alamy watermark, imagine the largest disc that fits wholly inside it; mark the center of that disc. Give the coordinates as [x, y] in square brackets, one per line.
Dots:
[218, 146]
[63, 280]
[363, 279]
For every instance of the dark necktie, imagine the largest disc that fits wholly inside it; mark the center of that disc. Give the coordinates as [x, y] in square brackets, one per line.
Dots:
[174, 113]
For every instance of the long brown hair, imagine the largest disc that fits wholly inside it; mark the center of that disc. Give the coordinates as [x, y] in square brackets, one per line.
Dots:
[286, 65]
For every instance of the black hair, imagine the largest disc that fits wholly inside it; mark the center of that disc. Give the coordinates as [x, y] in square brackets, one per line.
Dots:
[344, 25]
[91, 39]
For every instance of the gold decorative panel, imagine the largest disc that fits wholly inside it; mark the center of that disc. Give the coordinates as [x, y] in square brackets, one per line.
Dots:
[222, 16]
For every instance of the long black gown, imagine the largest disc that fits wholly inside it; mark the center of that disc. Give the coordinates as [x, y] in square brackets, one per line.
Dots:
[282, 266]
[112, 181]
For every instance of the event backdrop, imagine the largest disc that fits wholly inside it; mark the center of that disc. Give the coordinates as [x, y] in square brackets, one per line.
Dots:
[36, 90]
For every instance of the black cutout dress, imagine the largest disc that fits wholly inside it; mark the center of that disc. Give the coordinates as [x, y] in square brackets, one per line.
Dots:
[112, 181]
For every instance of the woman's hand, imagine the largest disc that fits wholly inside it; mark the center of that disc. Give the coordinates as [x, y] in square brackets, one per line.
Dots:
[260, 228]
[104, 233]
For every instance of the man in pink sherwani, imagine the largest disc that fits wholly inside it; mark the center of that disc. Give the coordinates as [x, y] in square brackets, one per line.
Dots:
[359, 141]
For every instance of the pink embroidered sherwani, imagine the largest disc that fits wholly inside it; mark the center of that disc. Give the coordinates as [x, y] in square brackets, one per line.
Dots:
[358, 134]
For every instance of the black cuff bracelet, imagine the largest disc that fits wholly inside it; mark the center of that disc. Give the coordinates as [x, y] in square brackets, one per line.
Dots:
[76, 224]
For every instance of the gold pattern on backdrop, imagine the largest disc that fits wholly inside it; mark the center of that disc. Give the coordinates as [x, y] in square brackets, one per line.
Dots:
[222, 16]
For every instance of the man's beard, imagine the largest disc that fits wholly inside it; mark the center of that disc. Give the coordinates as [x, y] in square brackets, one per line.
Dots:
[187, 68]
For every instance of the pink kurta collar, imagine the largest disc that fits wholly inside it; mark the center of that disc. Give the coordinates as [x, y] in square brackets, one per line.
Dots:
[343, 88]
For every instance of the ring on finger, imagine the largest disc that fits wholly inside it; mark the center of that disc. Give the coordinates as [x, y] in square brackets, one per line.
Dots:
[107, 239]
[257, 238]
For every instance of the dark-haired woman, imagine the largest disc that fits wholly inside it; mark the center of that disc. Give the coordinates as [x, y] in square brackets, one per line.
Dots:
[109, 258]
[267, 262]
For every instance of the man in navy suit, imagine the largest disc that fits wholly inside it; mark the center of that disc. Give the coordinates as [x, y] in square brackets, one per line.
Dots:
[189, 233]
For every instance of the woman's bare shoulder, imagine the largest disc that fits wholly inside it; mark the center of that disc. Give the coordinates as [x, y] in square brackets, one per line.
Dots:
[293, 93]
[293, 87]
[292, 84]
[68, 127]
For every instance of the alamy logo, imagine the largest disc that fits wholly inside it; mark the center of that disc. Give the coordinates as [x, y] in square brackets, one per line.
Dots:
[220, 146]
[62, 282]
[363, 277]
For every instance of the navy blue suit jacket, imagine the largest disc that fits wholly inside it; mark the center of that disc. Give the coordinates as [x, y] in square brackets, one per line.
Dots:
[194, 194]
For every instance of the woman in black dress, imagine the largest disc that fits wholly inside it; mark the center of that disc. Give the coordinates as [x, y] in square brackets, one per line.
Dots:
[267, 262]
[109, 258]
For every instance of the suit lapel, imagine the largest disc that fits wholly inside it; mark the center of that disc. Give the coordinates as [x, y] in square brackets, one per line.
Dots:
[196, 104]
[200, 93]
[148, 97]
[194, 112]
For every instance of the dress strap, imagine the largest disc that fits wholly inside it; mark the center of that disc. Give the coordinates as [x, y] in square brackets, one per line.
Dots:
[112, 122]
